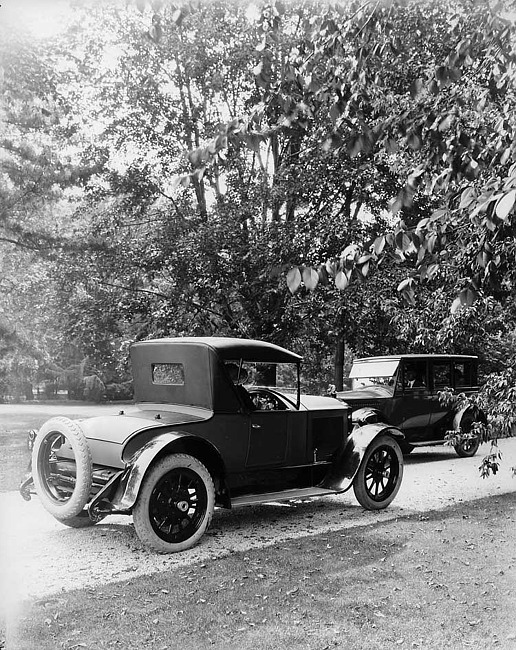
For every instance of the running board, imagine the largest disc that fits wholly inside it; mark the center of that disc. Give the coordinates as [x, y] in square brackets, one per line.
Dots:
[284, 495]
[427, 443]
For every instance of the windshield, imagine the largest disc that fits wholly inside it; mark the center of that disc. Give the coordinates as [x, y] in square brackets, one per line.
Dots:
[365, 374]
[282, 376]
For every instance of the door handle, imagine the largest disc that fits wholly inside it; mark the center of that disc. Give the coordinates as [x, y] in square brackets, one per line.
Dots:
[256, 426]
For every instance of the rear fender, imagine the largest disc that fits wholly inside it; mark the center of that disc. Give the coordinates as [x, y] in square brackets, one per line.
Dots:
[468, 410]
[163, 444]
[346, 465]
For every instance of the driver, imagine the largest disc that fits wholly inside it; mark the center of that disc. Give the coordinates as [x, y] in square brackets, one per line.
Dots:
[238, 380]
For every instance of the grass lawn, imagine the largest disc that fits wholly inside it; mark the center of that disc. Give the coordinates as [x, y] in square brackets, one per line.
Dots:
[445, 579]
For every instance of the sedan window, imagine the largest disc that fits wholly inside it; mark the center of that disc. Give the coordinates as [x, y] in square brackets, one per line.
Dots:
[414, 374]
[464, 374]
[442, 374]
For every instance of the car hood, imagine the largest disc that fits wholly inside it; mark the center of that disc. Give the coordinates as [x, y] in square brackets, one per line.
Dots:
[119, 428]
[320, 402]
[371, 393]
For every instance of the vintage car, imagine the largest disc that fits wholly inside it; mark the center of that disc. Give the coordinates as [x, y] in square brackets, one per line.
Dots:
[404, 391]
[199, 438]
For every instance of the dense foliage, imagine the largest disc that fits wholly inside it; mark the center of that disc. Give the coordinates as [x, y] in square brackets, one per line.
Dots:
[339, 179]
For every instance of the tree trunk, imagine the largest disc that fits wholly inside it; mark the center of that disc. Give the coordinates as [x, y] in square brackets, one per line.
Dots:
[339, 365]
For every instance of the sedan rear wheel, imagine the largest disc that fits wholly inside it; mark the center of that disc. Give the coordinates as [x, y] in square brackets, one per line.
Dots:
[468, 446]
[175, 504]
[379, 477]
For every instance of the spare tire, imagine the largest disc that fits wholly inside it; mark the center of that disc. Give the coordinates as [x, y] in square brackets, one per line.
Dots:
[61, 443]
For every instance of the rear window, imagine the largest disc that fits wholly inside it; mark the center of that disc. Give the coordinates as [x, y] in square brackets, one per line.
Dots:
[168, 374]
[464, 373]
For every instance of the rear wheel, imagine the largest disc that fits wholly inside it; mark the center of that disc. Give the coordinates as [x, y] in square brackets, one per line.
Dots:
[62, 468]
[379, 477]
[469, 445]
[175, 504]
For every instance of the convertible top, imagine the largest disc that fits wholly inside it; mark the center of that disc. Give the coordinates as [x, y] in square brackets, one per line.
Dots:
[231, 349]
[202, 380]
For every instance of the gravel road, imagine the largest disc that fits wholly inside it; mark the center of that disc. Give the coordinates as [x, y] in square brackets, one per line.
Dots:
[40, 557]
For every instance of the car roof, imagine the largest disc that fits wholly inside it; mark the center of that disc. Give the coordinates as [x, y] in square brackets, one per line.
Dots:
[398, 357]
[231, 349]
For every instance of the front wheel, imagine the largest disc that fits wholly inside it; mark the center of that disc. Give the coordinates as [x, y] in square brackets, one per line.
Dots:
[379, 477]
[175, 504]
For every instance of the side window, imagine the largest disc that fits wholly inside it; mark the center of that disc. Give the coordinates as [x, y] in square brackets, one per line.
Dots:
[441, 373]
[414, 374]
[464, 374]
[168, 374]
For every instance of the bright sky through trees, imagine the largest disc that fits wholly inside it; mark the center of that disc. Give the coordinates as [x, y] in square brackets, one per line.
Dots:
[44, 18]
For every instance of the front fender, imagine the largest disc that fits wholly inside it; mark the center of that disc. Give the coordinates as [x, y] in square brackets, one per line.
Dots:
[138, 465]
[346, 465]
[367, 415]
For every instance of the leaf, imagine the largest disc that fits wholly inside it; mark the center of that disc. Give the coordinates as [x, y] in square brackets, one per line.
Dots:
[310, 278]
[379, 245]
[195, 156]
[331, 268]
[355, 145]
[335, 112]
[415, 88]
[432, 270]
[397, 204]
[441, 73]
[430, 241]
[467, 197]
[406, 288]
[445, 124]
[404, 284]
[341, 280]
[178, 16]
[253, 141]
[156, 32]
[293, 280]
[505, 205]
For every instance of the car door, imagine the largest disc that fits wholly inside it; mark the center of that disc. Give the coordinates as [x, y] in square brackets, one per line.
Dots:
[413, 406]
[440, 378]
[268, 439]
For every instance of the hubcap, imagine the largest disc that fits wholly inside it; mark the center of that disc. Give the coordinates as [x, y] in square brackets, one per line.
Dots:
[178, 505]
[381, 474]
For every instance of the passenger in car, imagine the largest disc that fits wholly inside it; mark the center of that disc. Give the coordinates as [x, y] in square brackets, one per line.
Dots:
[238, 381]
[412, 380]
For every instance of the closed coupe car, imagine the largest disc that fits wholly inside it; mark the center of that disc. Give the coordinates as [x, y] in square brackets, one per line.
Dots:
[404, 391]
[218, 422]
